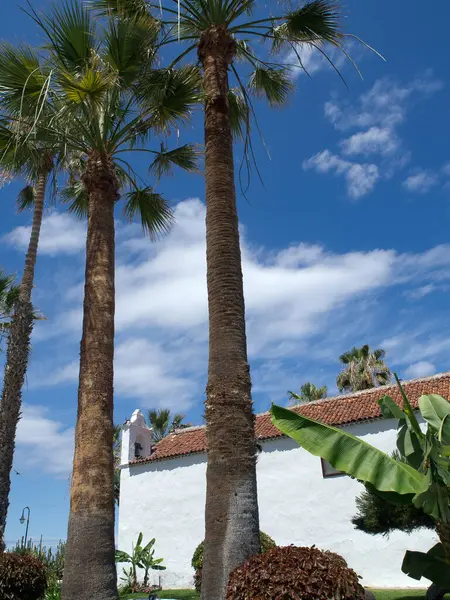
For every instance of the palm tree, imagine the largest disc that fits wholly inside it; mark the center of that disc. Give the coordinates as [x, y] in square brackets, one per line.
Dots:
[219, 32]
[22, 153]
[162, 423]
[106, 100]
[8, 297]
[308, 393]
[363, 369]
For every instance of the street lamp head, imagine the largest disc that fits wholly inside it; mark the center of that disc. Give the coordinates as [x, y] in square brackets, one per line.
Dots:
[22, 519]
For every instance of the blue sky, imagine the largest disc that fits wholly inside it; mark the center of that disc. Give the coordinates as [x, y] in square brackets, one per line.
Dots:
[346, 244]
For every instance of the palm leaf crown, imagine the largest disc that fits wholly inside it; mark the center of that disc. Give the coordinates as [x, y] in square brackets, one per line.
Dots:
[262, 71]
[100, 92]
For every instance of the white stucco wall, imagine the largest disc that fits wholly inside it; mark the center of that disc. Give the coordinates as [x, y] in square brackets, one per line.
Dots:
[297, 505]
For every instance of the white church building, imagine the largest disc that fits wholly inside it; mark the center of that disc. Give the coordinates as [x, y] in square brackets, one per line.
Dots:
[302, 500]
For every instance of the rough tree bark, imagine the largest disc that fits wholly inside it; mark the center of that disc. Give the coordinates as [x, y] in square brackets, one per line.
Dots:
[17, 355]
[232, 522]
[90, 569]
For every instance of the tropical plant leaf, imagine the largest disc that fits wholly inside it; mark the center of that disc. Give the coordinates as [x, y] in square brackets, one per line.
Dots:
[92, 84]
[411, 420]
[434, 501]
[410, 447]
[25, 198]
[72, 34]
[169, 95]
[135, 10]
[184, 157]
[431, 565]
[275, 84]
[316, 22]
[434, 409]
[76, 196]
[125, 44]
[390, 409]
[239, 113]
[349, 454]
[151, 208]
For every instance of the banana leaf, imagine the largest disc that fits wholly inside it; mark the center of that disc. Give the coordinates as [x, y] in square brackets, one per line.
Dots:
[431, 565]
[434, 410]
[349, 454]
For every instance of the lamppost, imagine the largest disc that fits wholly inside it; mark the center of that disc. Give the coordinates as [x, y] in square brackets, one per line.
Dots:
[22, 520]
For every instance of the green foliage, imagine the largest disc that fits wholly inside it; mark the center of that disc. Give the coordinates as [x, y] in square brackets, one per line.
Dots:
[421, 477]
[53, 590]
[433, 565]
[53, 560]
[294, 572]
[162, 422]
[267, 543]
[379, 516]
[308, 393]
[362, 369]
[22, 577]
[141, 557]
[9, 294]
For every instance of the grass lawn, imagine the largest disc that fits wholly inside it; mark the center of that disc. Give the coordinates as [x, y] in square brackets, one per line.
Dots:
[178, 594]
[379, 594]
[401, 594]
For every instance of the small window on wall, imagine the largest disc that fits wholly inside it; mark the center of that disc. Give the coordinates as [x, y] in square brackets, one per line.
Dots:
[328, 470]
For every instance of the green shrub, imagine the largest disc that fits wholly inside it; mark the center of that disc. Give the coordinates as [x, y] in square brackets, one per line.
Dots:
[267, 543]
[22, 577]
[292, 572]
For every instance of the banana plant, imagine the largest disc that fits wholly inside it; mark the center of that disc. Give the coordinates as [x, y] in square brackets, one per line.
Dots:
[141, 557]
[423, 479]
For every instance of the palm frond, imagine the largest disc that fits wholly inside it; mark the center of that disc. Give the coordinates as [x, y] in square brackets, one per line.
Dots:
[22, 78]
[71, 32]
[92, 84]
[239, 113]
[169, 95]
[185, 157]
[316, 22]
[76, 196]
[273, 83]
[151, 209]
[130, 49]
[25, 198]
[135, 10]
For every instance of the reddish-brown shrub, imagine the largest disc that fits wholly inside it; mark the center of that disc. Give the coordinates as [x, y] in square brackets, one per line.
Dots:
[22, 577]
[294, 573]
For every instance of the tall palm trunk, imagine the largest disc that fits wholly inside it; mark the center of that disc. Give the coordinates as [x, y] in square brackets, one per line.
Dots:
[17, 355]
[232, 522]
[90, 570]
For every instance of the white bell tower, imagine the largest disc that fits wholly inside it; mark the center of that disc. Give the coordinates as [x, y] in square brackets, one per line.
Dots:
[137, 439]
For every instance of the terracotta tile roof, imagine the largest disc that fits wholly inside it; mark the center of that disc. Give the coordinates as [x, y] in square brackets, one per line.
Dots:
[340, 410]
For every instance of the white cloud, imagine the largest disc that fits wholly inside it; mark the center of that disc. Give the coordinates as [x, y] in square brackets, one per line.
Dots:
[422, 368]
[44, 442]
[376, 140]
[421, 182]
[376, 115]
[384, 105]
[60, 234]
[360, 178]
[428, 342]
[292, 296]
[422, 291]
[313, 60]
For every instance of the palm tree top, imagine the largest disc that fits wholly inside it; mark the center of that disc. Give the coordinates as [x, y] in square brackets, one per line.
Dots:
[363, 369]
[100, 92]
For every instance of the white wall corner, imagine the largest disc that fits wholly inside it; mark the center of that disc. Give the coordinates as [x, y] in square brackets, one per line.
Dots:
[134, 432]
